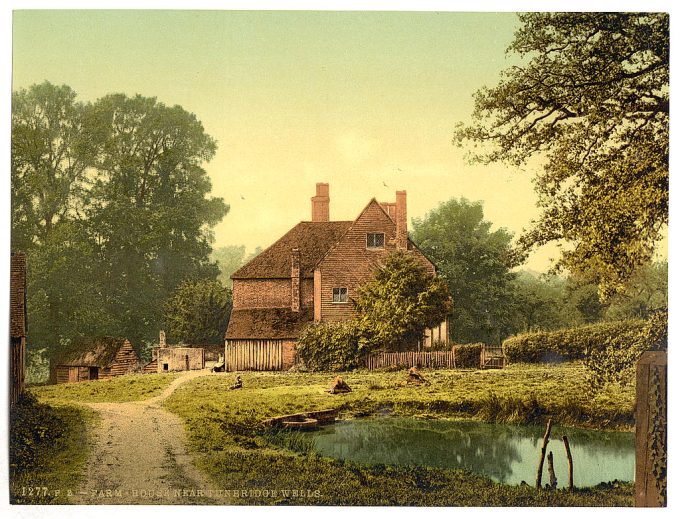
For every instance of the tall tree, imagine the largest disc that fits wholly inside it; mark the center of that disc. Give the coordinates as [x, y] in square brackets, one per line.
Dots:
[150, 206]
[112, 205]
[475, 262]
[591, 96]
[51, 151]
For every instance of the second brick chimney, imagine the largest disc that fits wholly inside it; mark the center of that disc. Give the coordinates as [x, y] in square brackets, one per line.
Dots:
[295, 280]
[400, 219]
[320, 203]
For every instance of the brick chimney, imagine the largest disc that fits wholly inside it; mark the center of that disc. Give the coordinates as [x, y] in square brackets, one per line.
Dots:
[402, 231]
[295, 280]
[161, 340]
[320, 203]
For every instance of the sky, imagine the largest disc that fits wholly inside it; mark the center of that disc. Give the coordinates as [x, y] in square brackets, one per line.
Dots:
[367, 102]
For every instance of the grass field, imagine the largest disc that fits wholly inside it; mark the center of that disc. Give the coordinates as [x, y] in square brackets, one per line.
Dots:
[225, 432]
[127, 388]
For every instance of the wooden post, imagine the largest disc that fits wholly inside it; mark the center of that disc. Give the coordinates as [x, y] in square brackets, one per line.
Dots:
[570, 462]
[551, 471]
[546, 439]
[650, 429]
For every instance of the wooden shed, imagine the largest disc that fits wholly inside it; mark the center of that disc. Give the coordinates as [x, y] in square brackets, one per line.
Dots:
[95, 359]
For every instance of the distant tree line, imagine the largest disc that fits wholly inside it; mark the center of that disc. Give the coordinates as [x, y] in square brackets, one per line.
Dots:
[493, 299]
[112, 205]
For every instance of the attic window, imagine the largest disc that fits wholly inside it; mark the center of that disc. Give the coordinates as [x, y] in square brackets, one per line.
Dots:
[339, 295]
[375, 240]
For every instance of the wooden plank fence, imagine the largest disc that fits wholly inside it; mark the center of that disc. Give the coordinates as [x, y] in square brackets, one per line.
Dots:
[257, 355]
[408, 359]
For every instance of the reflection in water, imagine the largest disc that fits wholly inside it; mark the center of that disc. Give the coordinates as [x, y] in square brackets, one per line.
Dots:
[505, 453]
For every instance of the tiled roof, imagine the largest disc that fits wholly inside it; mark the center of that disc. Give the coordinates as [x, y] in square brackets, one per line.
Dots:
[267, 323]
[313, 239]
[91, 352]
[17, 309]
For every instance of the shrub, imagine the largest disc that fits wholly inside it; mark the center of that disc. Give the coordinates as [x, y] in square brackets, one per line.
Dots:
[614, 362]
[33, 427]
[330, 346]
[572, 343]
[468, 355]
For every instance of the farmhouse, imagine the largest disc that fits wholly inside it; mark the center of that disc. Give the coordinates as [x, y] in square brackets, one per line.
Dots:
[96, 359]
[312, 274]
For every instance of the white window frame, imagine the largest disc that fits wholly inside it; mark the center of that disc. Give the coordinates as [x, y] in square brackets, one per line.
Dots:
[339, 294]
[375, 247]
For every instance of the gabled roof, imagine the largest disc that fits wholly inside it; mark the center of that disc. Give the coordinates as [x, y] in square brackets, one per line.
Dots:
[267, 323]
[313, 239]
[17, 309]
[98, 352]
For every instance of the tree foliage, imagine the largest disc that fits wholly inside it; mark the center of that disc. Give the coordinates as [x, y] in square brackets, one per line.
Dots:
[399, 303]
[111, 204]
[591, 98]
[475, 263]
[198, 312]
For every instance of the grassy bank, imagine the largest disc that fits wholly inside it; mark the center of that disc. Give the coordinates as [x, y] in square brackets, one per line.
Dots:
[224, 431]
[48, 451]
[127, 388]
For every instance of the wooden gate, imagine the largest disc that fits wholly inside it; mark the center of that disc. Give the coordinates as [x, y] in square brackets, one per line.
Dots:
[254, 354]
[492, 357]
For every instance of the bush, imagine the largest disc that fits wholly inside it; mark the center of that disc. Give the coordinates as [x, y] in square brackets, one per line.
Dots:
[468, 355]
[33, 427]
[330, 346]
[573, 343]
[615, 362]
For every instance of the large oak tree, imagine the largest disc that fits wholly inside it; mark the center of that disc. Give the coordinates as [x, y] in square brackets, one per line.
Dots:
[590, 98]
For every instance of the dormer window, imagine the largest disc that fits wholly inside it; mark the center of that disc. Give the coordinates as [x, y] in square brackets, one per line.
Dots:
[375, 240]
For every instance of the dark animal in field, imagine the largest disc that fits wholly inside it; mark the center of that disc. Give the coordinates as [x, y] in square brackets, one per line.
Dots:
[339, 386]
[414, 377]
[238, 384]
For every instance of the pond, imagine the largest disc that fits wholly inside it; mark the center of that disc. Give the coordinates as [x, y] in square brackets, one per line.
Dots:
[505, 453]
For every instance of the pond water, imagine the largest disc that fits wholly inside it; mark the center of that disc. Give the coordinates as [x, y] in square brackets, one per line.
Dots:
[505, 453]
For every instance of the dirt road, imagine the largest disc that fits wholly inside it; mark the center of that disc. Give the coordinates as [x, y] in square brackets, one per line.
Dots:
[139, 455]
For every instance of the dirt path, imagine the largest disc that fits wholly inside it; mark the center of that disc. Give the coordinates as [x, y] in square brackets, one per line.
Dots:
[139, 455]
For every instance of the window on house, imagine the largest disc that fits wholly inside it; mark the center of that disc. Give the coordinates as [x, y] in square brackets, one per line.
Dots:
[375, 240]
[339, 295]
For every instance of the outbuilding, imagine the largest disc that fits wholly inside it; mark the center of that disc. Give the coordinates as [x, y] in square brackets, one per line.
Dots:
[95, 359]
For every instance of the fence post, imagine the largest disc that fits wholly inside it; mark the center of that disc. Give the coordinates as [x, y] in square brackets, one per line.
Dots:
[650, 429]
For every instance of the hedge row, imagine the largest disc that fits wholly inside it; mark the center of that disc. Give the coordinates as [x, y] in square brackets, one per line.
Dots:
[573, 343]
[468, 355]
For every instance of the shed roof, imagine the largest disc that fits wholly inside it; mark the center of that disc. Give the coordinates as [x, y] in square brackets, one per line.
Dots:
[98, 352]
[313, 239]
[267, 323]
[18, 295]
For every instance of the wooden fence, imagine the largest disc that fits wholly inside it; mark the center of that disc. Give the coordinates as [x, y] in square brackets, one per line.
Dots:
[408, 359]
[256, 354]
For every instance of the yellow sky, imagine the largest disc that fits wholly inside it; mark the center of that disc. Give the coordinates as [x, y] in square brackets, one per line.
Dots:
[359, 100]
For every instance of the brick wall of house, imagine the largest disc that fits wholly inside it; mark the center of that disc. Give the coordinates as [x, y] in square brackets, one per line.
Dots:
[350, 264]
[270, 293]
[288, 354]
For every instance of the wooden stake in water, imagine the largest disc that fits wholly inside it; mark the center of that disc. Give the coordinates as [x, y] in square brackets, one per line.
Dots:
[570, 462]
[551, 471]
[546, 439]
